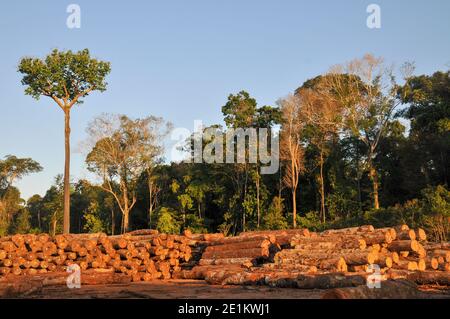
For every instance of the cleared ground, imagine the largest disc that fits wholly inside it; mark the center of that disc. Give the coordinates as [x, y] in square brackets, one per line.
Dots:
[188, 289]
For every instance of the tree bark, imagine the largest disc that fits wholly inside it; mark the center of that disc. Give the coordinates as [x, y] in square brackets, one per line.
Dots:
[113, 221]
[294, 186]
[400, 289]
[126, 210]
[375, 184]
[150, 207]
[66, 227]
[322, 189]
[294, 206]
[126, 215]
[257, 198]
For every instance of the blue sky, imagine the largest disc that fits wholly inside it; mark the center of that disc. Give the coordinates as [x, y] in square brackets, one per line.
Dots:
[181, 59]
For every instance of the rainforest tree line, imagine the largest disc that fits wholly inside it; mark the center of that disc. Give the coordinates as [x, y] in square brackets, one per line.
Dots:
[363, 143]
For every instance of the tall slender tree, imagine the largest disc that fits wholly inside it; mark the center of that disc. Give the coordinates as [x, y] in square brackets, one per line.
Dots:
[368, 91]
[291, 148]
[322, 115]
[66, 78]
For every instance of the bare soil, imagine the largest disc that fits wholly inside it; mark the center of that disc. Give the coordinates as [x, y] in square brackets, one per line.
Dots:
[189, 289]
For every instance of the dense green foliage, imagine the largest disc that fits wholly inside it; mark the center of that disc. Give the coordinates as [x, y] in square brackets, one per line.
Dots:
[412, 168]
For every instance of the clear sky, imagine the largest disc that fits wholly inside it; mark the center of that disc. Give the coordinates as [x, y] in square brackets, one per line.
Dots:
[180, 59]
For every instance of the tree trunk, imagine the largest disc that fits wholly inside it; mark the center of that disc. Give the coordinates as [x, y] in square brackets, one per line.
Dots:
[150, 213]
[400, 289]
[126, 207]
[358, 183]
[257, 199]
[280, 182]
[374, 177]
[67, 172]
[113, 221]
[150, 207]
[126, 215]
[294, 206]
[358, 177]
[54, 221]
[39, 219]
[322, 189]
[245, 197]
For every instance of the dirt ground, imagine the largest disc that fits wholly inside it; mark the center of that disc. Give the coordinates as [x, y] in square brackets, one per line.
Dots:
[188, 289]
[173, 289]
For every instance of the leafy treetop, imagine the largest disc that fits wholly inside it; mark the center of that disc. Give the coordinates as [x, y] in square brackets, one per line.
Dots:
[65, 77]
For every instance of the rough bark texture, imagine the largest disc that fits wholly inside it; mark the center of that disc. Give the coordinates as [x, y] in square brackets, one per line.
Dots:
[66, 225]
[401, 289]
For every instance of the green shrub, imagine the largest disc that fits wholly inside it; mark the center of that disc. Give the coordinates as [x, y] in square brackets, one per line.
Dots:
[274, 218]
[435, 212]
[22, 222]
[311, 221]
[167, 223]
[93, 222]
[195, 224]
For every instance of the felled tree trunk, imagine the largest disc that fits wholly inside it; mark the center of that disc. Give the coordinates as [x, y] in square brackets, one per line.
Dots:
[400, 289]
[327, 281]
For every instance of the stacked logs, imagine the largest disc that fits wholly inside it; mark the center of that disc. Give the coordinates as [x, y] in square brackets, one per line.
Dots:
[286, 258]
[229, 254]
[335, 250]
[248, 249]
[238, 250]
[282, 238]
[141, 255]
[354, 249]
[333, 258]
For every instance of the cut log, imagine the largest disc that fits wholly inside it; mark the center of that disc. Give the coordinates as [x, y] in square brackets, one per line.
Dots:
[238, 246]
[401, 289]
[391, 231]
[334, 262]
[296, 231]
[395, 257]
[422, 277]
[377, 237]
[445, 254]
[351, 230]
[421, 234]
[406, 265]
[243, 253]
[432, 263]
[409, 234]
[291, 267]
[225, 261]
[327, 281]
[401, 228]
[404, 254]
[143, 232]
[328, 242]
[444, 267]
[213, 237]
[404, 245]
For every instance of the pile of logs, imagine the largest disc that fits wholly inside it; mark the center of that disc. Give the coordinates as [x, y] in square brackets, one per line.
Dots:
[247, 249]
[297, 258]
[330, 259]
[218, 254]
[354, 249]
[340, 250]
[142, 255]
